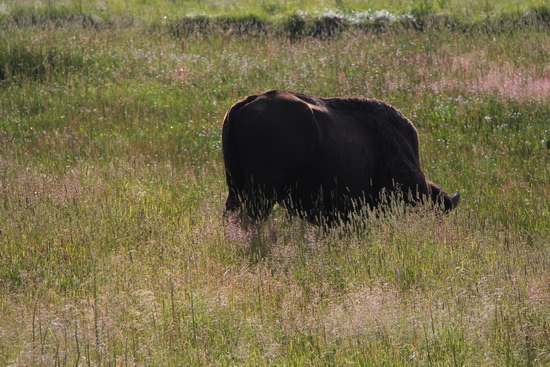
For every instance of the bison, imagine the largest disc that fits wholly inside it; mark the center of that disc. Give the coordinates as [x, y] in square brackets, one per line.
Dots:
[321, 158]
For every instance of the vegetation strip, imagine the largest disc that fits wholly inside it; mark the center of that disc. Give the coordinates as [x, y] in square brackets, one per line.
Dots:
[297, 25]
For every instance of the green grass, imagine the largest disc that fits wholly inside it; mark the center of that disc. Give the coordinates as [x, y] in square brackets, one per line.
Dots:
[152, 9]
[113, 250]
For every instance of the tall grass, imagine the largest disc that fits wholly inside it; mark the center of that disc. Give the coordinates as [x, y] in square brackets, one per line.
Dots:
[113, 248]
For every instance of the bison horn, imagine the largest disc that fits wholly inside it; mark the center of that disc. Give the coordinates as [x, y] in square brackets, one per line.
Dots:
[455, 199]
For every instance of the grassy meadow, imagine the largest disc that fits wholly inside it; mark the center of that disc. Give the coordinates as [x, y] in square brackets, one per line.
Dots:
[113, 249]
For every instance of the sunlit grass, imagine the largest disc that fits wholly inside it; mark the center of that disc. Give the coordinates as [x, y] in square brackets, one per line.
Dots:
[114, 251]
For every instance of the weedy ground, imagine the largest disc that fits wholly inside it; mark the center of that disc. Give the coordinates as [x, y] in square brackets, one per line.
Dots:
[113, 248]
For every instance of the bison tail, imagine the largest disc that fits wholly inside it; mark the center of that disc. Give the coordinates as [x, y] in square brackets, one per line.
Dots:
[233, 170]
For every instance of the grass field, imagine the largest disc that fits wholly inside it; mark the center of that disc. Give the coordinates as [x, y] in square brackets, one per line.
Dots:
[113, 250]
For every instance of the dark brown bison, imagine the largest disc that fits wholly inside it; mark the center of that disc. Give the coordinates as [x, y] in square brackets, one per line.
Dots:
[321, 158]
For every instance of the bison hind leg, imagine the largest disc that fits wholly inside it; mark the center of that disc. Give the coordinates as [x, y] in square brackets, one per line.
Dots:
[250, 206]
[258, 207]
[232, 204]
[233, 209]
